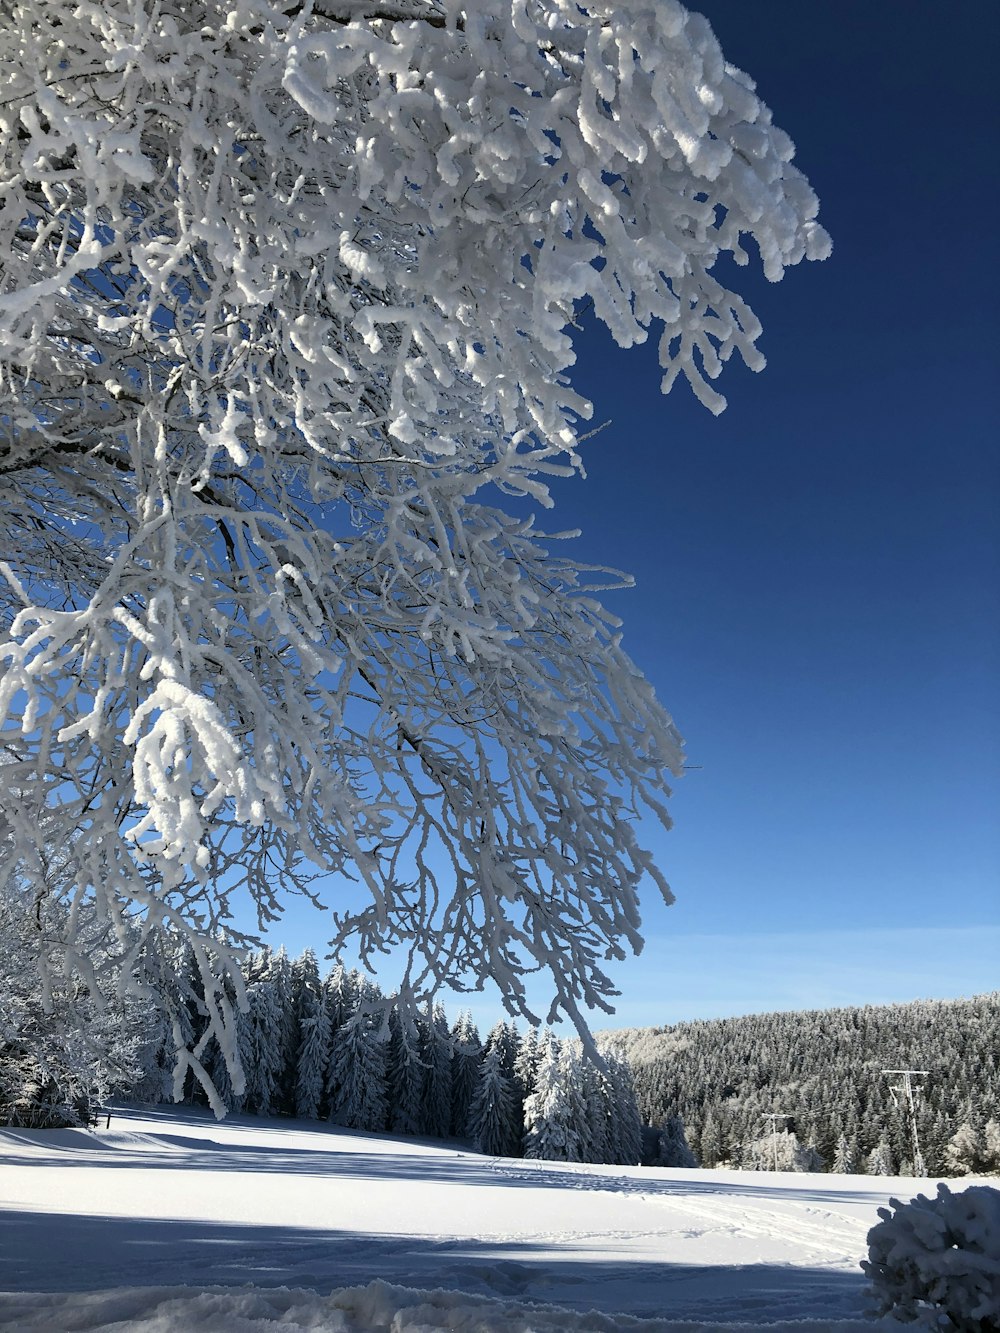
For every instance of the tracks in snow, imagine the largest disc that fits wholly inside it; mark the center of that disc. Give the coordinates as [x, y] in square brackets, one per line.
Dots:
[830, 1236]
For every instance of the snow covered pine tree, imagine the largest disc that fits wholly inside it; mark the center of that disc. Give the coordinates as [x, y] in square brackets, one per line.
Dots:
[287, 294]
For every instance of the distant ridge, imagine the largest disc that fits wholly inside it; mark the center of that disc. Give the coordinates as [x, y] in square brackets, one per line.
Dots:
[824, 1069]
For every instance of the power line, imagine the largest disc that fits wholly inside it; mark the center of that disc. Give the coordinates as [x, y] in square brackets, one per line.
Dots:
[908, 1092]
[774, 1117]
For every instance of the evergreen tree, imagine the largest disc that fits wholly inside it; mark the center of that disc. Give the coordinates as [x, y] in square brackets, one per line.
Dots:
[435, 1055]
[187, 1015]
[157, 1054]
[546, 1136]
[880, 1159]
[572, 1074]
[739, 1068]
[973, 1149]
[504, 1037]
[526, 1062]
[312, 1028]
[710, 1140]
[844, 1156]
[492, 1122]
[156, 1059]
[991, 1147]
[60, 1054]
[596, 1097]
[673, 1149]
[555, 1115]
[305, 977]
[810, 1158]
[264, 1058]
[358, 1066]
[624, 1113]
[341, 989]
[466, 1059]
[405, 1076]
[217, 1067]
[281, 975]
[313, 1053]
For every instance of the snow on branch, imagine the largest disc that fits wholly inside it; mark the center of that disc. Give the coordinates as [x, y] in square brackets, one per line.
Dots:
[287, 297]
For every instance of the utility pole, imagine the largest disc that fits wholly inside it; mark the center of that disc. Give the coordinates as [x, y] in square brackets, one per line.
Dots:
[906, 1091]
[774, 1117]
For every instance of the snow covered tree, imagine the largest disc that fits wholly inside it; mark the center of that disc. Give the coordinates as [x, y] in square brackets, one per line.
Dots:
[529, 1056]
[313, 1026]
[572, 1071]
[543, 1109]
[962, 1152]
[810, 1158]
[779, 1152]
[341, 990]
[673, 1149]
[61, 1051]
[281, 974]
[217, 1065]
[556, 1126]
[721, 1075]
[185, 1001]
[710, 1143]
[263, 1058]
[357, 1071]
[974, 1148]
[405, 1075]
[880, 1161]
[163, 1006]
[600, 1131]
[844, 1156]
[623, 1114]
[466, 1058]
[991, 1146]
[435, 1056]
[503, 1037]
[155, 1059]
[287, 306]
[493, 1124]
[935, 1263]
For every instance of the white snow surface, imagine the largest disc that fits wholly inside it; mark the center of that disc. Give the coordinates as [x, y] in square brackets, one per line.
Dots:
[169, 1221]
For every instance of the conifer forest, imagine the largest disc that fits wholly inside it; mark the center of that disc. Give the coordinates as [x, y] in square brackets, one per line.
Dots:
[785, 1091]
[821, 1073]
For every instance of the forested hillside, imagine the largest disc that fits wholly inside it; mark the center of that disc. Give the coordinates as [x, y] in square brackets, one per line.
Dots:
[824, 1069]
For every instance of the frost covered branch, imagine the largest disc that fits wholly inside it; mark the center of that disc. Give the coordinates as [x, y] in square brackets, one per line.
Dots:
[287, 298]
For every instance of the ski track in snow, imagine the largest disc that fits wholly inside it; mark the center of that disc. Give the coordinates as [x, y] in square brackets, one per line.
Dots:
[170, 1196]
[820, 1231]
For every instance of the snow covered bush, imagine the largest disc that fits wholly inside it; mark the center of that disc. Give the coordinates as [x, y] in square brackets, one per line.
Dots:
[287, 304]
[936, 1262]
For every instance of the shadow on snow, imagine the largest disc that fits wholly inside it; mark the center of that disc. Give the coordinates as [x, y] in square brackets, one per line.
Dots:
[444, 1164]
[65, 1252]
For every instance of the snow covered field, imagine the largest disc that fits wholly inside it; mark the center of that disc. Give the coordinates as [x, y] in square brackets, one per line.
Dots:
[214, 1221]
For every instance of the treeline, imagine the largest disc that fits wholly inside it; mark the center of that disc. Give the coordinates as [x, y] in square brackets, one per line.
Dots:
[824, 1070]
[335, 1048]
[320, 1048]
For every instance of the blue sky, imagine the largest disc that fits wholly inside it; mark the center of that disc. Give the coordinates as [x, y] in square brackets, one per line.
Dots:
[818, 570]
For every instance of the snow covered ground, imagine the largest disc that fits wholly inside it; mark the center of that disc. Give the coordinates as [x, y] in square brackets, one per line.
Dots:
[289, 1225]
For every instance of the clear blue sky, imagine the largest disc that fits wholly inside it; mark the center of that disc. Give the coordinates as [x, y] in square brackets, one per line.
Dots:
[819, 569]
